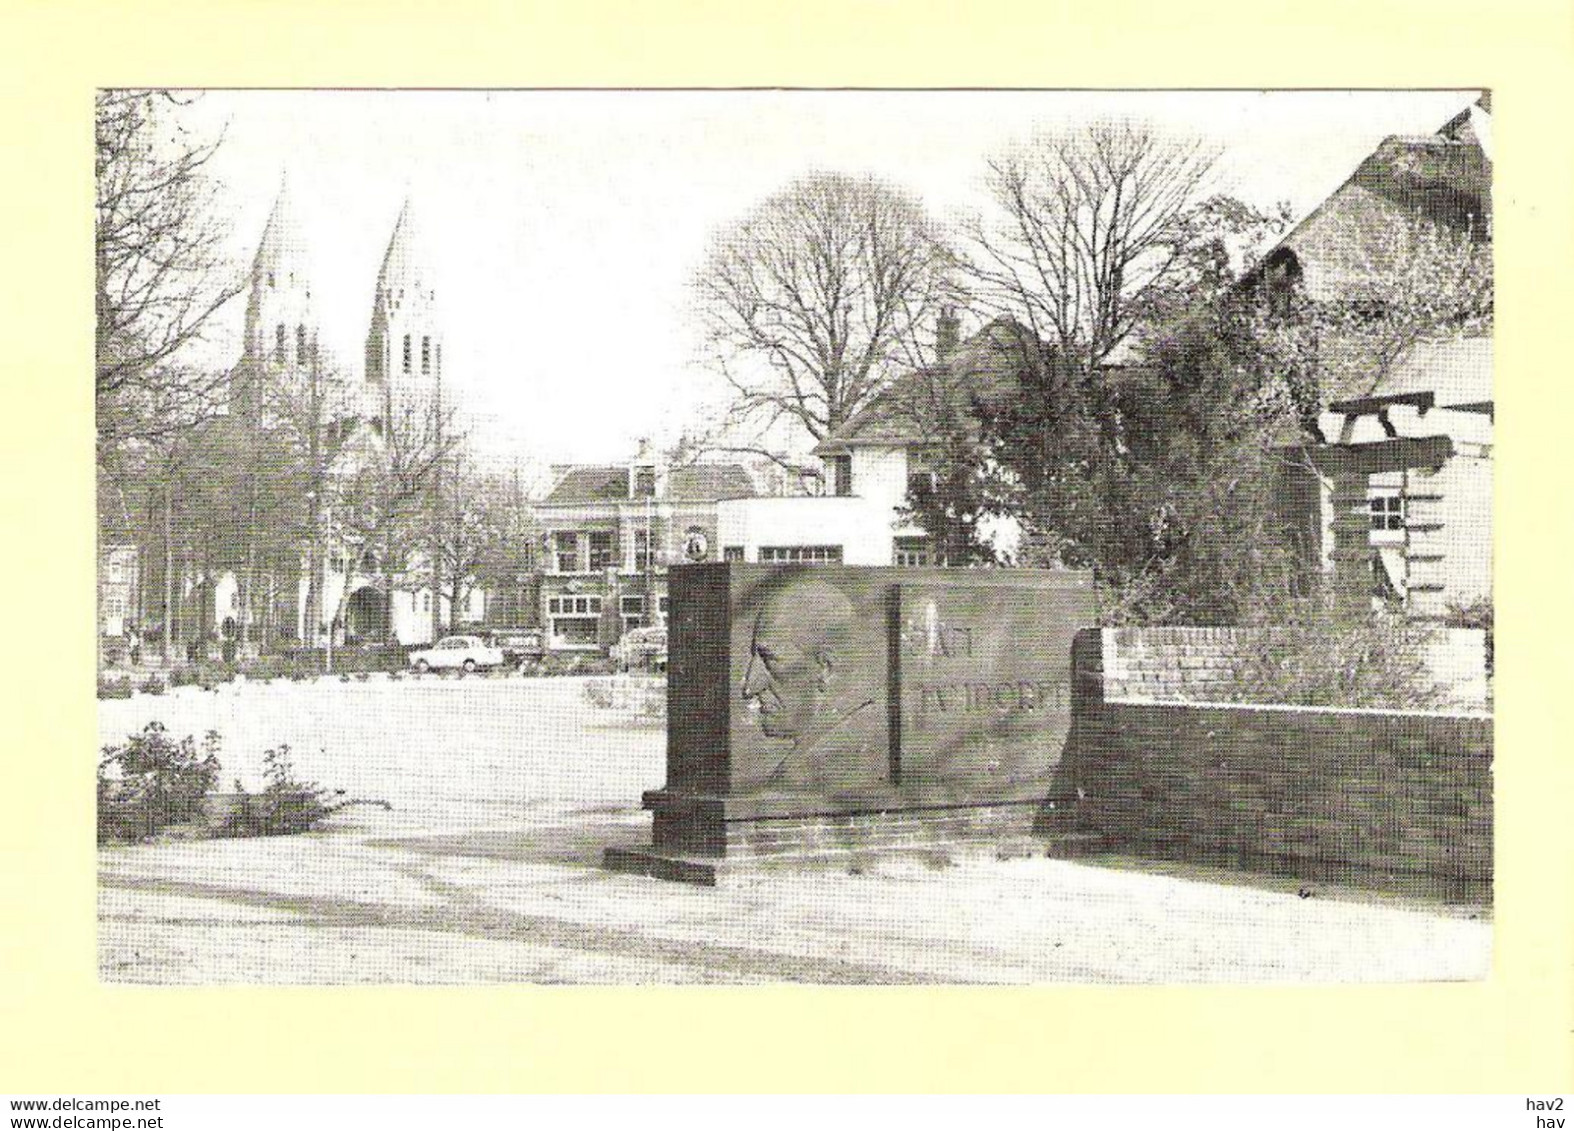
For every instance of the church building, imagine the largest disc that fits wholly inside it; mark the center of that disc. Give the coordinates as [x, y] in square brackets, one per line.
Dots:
[366, 443]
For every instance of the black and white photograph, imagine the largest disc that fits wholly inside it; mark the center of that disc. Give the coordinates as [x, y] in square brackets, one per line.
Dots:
[752, 536]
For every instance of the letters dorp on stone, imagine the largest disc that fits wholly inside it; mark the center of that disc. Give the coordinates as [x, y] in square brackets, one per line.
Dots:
[983, 679]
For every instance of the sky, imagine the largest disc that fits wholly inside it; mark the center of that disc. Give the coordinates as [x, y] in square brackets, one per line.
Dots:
[564, 226]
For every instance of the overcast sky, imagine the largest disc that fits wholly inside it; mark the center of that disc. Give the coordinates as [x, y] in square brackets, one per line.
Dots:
[564, 226]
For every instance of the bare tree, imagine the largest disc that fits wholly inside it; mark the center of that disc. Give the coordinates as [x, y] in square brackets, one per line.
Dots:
[1092, 232]
[473, 524]
[160, 276]
[386, 491]
[814, 300]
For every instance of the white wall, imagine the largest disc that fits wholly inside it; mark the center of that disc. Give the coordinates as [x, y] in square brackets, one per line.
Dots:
[863, 524]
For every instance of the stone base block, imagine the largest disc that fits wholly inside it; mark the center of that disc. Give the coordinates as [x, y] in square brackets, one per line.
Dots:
[701, 843]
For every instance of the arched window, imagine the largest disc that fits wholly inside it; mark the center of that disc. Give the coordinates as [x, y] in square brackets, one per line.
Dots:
[407, 353]
[278, 343]
[426, 355]
[300, 344]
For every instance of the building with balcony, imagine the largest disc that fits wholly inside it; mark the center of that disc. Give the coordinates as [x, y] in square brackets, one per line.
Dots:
[608, 534]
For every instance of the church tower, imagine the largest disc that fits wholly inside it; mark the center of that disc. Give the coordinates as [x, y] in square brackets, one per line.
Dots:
[404, 347]
[281, 326]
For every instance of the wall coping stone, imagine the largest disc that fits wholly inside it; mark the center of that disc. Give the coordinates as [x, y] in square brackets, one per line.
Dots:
[1300, 708]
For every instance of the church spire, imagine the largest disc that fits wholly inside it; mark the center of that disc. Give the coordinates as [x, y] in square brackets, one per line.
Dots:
[281, 327]
[404, 342]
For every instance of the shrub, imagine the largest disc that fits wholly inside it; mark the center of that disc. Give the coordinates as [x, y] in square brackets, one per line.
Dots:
[1312, 657]
[111, 687]
[286, 804]
[153, 685]
[643, 700]
[152, 781]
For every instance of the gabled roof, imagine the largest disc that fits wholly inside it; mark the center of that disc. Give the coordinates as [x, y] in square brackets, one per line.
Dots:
[1445, 177]
[696, 483]
[708, 483]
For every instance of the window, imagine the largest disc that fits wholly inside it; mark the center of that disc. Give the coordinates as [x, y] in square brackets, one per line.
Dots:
[426, 601]
[300, 344]
[278, 343]
[732, 553]
[426, 355]
[661, 604]
[645, 482]
[574, 620]
[565, 545]
[407, 353]
[818, 555]
[641, 549]
[1388, 512]
[911, 552]
[841, 476]
[601, 551]
[633, 612]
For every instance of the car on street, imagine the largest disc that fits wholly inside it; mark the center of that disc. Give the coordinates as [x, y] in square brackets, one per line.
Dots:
[464, 653]
[641, 648]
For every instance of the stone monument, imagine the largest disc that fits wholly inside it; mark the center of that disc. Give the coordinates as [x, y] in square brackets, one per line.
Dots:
[820, 709]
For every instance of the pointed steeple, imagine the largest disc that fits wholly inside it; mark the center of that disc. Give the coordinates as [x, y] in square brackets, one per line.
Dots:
[404, 342]
[281, 327]
[281, 254]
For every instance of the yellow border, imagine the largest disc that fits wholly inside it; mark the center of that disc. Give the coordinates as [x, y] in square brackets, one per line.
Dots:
[60, 1031]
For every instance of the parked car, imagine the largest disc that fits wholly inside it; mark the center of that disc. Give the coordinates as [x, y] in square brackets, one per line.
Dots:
[519, 644]
[467, 653]
[644, 648]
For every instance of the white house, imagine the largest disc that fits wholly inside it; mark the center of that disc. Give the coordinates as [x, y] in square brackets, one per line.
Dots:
[872, 464]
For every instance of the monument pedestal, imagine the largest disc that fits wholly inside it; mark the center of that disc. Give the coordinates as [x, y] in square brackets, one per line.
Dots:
[823, 713]
[699, 839]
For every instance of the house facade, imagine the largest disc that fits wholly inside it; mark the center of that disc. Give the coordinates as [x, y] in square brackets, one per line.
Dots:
[1397, 498]
[608, 532]
[874, 464]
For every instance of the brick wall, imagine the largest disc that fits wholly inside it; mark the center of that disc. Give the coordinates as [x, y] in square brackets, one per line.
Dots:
[1338, 793]
[1200, 664]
